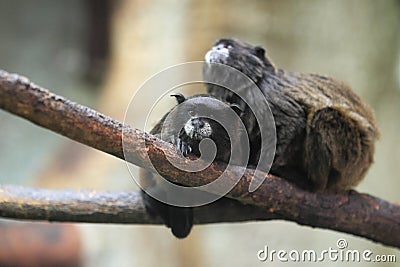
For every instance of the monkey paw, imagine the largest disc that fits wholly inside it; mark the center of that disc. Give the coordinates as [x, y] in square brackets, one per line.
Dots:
[183, 147]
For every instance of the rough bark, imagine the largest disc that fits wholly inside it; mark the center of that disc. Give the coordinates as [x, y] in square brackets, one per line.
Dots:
[350, 212]
[108, 207]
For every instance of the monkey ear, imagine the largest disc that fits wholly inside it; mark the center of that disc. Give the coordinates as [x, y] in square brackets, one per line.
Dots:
[260, 52]
[236, 108]
[179, 97]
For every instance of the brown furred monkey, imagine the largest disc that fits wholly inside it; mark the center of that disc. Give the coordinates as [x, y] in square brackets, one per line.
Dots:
[325, 132]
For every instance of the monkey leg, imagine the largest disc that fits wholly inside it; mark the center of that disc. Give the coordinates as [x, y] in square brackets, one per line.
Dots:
[333, 150]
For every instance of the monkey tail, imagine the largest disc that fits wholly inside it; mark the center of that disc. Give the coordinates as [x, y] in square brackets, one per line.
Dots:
[180, 221]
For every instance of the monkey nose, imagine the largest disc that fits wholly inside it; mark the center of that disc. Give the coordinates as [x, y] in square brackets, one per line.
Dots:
[197, 123]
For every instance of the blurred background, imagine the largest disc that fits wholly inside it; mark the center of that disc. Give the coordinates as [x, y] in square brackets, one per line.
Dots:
[98, 53]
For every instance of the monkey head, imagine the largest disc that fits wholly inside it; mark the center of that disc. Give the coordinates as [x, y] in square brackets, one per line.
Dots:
[199, 118]
[246, 58]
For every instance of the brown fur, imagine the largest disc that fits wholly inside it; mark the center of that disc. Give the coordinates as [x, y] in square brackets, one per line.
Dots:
[325, 132]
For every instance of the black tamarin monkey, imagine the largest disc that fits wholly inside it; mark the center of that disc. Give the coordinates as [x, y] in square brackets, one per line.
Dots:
[325, 133]
[186, 126]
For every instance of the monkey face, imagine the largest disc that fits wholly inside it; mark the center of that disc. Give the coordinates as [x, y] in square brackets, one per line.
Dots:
[198, 128]
[248, 59]
[202, 125]
[202, 117]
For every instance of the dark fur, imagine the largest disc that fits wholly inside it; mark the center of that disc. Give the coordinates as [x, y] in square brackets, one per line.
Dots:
[325, 133]
[180, 219]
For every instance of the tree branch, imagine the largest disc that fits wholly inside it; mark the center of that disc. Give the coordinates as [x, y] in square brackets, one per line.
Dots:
[350, 212]
[108, 207]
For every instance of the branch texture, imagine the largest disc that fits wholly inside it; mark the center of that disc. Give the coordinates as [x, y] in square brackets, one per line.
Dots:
[350, 212]
[108, 207]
